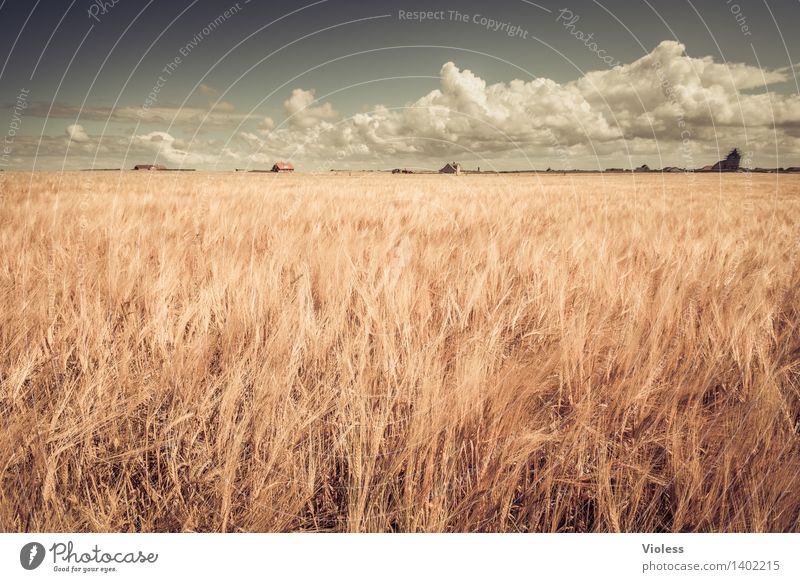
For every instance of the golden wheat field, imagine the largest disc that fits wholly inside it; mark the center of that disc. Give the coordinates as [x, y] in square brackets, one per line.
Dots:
[516, 353]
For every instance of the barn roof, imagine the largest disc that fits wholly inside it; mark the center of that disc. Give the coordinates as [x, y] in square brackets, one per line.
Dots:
[451, 167]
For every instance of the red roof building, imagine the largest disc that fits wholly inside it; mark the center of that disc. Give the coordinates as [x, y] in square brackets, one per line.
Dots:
[283, 167]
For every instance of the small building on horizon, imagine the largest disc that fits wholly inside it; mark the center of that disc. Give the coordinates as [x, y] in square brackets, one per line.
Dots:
[451, 168]
[149, 167]
[282, 167]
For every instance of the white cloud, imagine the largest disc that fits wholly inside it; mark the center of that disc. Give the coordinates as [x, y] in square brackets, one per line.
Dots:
[266, 124]
[653, 104]
[666, 84]
[645, 108]
[301, 111]
[76, 133]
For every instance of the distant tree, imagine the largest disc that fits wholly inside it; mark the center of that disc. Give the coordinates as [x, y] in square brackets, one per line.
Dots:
[730, 163]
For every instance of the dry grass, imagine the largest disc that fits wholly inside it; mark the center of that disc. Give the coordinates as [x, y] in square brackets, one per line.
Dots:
[375, 353]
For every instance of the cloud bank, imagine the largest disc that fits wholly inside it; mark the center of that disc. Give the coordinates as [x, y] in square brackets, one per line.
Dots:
[665, 107]
[665, 100]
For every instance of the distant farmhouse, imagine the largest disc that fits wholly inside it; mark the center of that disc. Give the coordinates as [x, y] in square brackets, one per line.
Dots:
[451, 168]
[730, 163]
[282, 167]
[643, 168]
[149, 167]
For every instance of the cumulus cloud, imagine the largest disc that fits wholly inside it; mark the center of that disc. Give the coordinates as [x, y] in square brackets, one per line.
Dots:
[646, 108]
[76, 133]
[463, 115]
[266, 125]
[667, 83]
[651, 105]
[302, 112]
